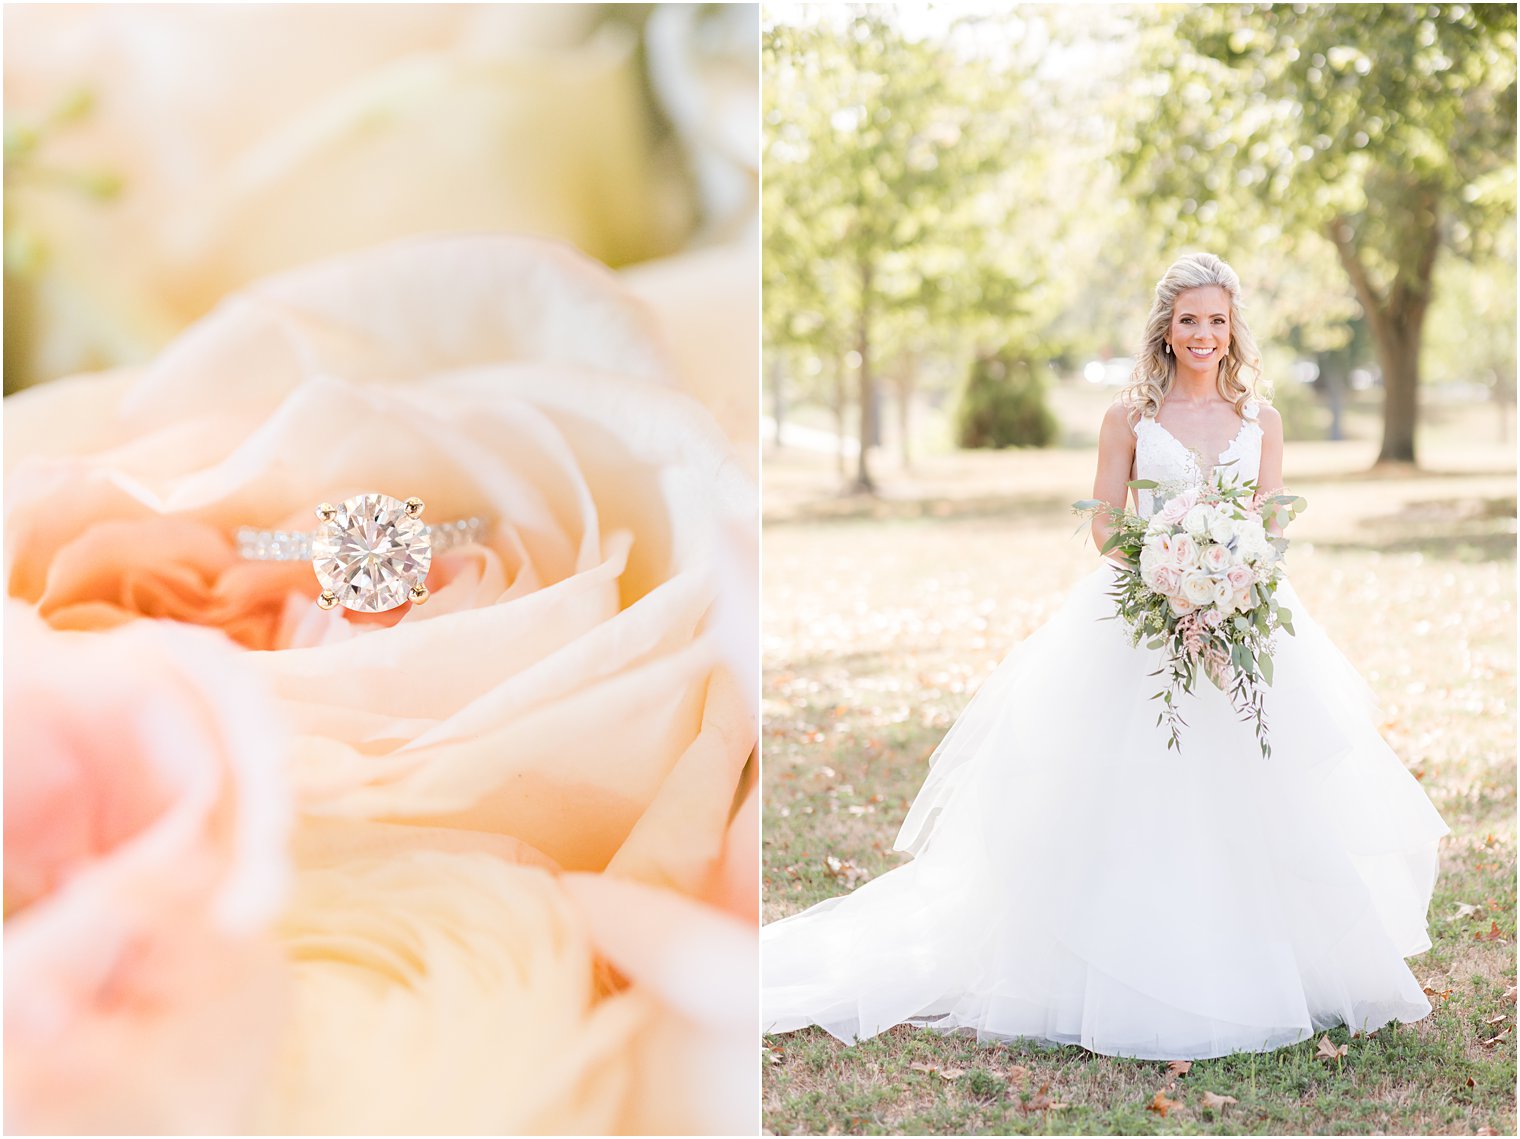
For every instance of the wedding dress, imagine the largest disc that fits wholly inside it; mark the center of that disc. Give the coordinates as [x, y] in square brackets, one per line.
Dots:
[1074, 882]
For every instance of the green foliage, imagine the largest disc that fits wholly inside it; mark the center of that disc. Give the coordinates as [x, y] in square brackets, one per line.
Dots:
[1004, 405]
[1382, 132]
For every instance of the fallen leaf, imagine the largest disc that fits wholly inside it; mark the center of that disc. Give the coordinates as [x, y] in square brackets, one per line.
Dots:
[1432, 991]
[1179, 1067]
[1328, 1051]
[1493, 934]
[1040, 1101]
[1161, 1105]
[1509, 994]
[1217, 1102]
[951, 1073]
[1464, 910]
[1018, 1073]
[1472, 1083]
[1497, 1018]
[845, 871]
[1485, 1131]
[1492, 1040]
[918, 1066]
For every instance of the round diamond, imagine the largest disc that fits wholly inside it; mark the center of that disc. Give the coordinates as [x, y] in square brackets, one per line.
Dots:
[372, 553]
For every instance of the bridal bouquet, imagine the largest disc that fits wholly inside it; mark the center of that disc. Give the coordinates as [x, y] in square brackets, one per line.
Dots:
[1201, 581]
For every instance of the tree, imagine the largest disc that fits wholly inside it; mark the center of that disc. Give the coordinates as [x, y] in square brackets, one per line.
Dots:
[1387, 131]
[879, 149]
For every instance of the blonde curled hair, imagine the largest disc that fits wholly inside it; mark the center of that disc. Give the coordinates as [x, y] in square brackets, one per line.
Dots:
[1155, 369]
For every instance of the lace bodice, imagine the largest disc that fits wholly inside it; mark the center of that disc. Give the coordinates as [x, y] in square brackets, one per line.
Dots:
[1160, 456]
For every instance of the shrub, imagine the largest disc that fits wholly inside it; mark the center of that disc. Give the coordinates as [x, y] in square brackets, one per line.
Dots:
[1003, 405]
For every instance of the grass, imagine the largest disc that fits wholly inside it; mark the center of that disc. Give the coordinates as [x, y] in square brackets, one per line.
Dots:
[883, 616]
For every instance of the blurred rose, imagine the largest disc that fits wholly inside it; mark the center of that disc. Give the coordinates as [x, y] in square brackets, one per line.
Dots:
[444, 985]
[144, 858]
[563, 683]
[209, 145]
[691, 973]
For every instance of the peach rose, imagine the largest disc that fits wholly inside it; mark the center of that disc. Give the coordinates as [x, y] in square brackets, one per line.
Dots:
[563, 684]
[578, 691]
[144, 859]
[245, 140]
[1240, 577]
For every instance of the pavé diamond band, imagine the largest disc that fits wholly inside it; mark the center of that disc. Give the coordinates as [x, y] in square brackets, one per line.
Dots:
[371, 552]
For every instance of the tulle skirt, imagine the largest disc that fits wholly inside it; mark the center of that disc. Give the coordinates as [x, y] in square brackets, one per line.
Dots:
[1074, 882]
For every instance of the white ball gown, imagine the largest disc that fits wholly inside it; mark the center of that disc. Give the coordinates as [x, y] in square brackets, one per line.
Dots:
[1074, 882]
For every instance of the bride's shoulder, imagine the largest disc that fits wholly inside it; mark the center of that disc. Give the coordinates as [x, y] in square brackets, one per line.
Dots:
[1267, 417]
[1119, 421]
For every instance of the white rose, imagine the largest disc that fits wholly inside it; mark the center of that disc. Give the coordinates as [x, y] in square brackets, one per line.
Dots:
[1223, 593]
[1221, 525]
[1196, 520]
[1198, 588]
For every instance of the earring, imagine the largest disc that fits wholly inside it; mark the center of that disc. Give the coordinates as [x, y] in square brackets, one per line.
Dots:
[1168, 349]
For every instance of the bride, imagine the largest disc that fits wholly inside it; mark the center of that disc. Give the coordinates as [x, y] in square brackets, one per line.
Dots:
[1073, 881]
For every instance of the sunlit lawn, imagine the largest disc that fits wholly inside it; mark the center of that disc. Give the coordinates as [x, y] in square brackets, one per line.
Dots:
[882, 617]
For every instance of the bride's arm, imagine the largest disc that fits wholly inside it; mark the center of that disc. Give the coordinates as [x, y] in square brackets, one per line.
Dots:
[1116, 458]
[1270, 479]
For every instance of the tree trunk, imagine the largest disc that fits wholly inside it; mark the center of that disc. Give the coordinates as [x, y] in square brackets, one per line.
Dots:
[778, 395]
[1396, 318]
[840, 404]
[864, 483]
[1398, 352]
[904, 383]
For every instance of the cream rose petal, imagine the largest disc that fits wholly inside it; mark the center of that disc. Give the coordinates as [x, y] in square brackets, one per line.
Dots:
[690, 965]
[444, 985]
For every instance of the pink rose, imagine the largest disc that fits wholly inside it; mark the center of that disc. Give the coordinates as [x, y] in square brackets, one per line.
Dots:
[1213, 618]
[1167, 580]
[1185, 552]
[1240, 577]
[1171, 513]
[1216, 559]
[1180, 605]
[144, 858]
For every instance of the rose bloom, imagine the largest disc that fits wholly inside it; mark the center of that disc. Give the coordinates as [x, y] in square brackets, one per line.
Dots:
[385, 121]
[1185, 552]
[571, 688]
[1196, 520]
[1198, 587]
[1167, 581]
[1171, 512]
[1181, 606]
[145, 827]
[1240, 577]
[1222, 591]
[1215, 559]
[1221, 525]
[1213, 618]
[1241, 601]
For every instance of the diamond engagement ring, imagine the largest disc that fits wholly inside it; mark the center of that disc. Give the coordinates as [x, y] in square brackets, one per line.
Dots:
[371, 553]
